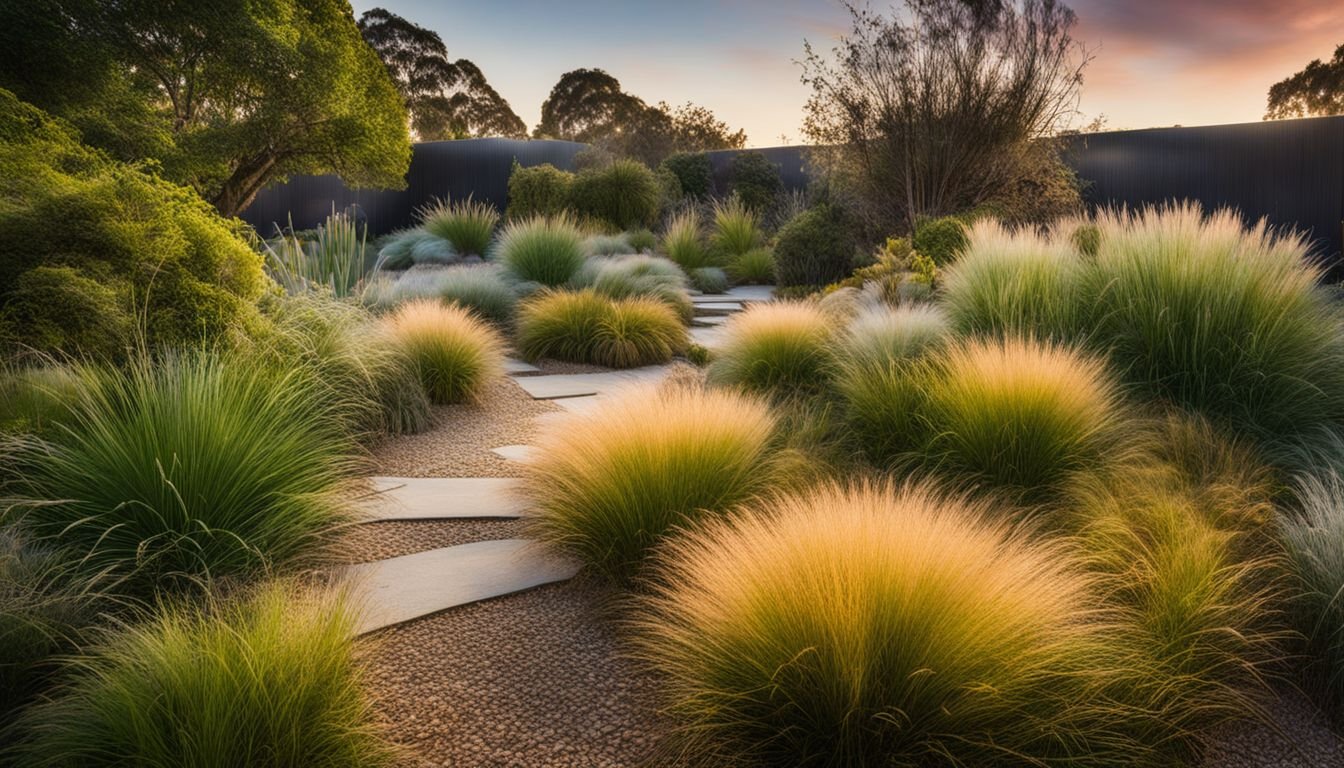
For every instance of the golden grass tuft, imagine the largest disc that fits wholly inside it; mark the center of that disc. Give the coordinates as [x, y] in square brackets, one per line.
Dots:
[781, 348]
[455, 352]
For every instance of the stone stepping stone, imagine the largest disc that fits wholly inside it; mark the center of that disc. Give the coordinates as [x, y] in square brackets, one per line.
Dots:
[404, 588]
[514, 452]
[718, 307]
[707, 336]
[708, 320]
[578, 404]
[513, 367]
[579, 384]
[430, 498]
[752, 293]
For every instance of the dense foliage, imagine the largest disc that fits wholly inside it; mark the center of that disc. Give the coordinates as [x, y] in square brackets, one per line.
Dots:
[816, 247]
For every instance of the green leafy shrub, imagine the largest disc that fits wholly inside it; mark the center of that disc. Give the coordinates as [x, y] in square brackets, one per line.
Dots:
[538, 190]
[586, 327]
[188, 466]
[866, 625]
[547, 251]
[455, 352]
[709, 280]
[754, 179]
[332, 259]
[694, 172]
[684, 243]
[736, 228]
[642, 240]
[625, 194]
[941, 239]
[815, 248]
[468, 226]
[610, 485]
[1014, 282]
[755, 267]
[651, 276]
[271, 680]
[161, 257]
[782, 348]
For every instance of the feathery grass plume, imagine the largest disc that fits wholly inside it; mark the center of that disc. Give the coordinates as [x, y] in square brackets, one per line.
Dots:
[587, 327]
[35, 399]
[455, 352]
[1010, 281]
[186, 467]
[873, 625]
[482, 288]
[467, 225]
[1226, 320]
[642, 275]
[781, 348]
[683, 241]
[880, 335]
[755, 267]
[709, 280]
[736, 228]
[361, 376]
[608, 485]
[642, 240]
[607, 245]
[541, 249]
[334, 259]
[268, 680]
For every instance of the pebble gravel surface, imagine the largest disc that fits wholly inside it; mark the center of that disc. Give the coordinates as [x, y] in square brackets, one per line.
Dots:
[366, 542]
[459, 443]
[1300, 737]
[532, 679]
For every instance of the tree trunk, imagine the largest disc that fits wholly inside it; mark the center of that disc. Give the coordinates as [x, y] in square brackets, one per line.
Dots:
[249, 178]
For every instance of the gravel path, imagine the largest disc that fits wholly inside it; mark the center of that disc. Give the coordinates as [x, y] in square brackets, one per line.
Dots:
[1301, 738]
[367, 542]
[532, 679]
[459, 444]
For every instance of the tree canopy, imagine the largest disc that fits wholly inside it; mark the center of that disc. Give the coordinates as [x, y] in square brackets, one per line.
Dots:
[447, 99]
[589, 105]
[226, 97]
[1316, 91]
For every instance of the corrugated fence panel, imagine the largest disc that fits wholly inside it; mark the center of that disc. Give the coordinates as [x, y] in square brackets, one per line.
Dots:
[1290, 172]
[791, 161]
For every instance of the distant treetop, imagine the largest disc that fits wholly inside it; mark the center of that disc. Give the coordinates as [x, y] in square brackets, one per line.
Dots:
[1316, 91]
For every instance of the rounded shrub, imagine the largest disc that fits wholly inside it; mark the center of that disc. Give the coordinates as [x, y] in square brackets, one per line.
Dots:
[694, 172]
[538, 190]
[55, 310]
[467, 225]
[544, 250]
[271, 680]
[1016, 282]
[609, 485]
[709, 280]
[755, 179]
[189, 466]
[755, 267]
[869, 625]
[1224, 320]
[455, 352]
[625, 194]
[815, 248]
[607, 245]
[587, 327]
[782, 348]
[405, 248]
[941, 239]
[683, 241]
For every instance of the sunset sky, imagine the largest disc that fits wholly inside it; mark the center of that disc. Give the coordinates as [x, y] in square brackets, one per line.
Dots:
[1157, 62]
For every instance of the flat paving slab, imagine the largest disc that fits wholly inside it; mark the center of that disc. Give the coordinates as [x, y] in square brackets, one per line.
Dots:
[514, 452]
[430, 498]
[707, 320]
[514, 366]
[718, 307]
[740, 293]
[706, 336]
[404, 588]
[579, 384]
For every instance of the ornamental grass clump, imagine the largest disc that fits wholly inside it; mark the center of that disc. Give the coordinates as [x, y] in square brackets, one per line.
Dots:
[736, 228]
[187, 467]
[270, 680]
[482, 288]
[880, 335]
[609, 485]
[1015, 282]
[780, 348]
[608, 245]
[755, 267]
[467, 225]
[683, 241]
[544, 250]
[587, 327]
[1226, 320]
[642, 275]
[455, 352]
[874, 625]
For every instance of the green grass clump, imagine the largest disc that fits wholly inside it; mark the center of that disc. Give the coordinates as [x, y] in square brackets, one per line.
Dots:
[333, 259]
[455, 352]
[186, 467]
[869, 625]
[755, 267]
[35, 399]
[782, 348]
[609, 485]
[482, 288]
[880, 336]
[544, 250]
[1313, 534]
[467, 225]
[607, 245]
[587, 327]
[1223, 320]
[267, 681]
[397, 250]
[709, 280]
[642, 275]
[1015, 282]
[683, 241]
[736, 228]
[642, 240]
